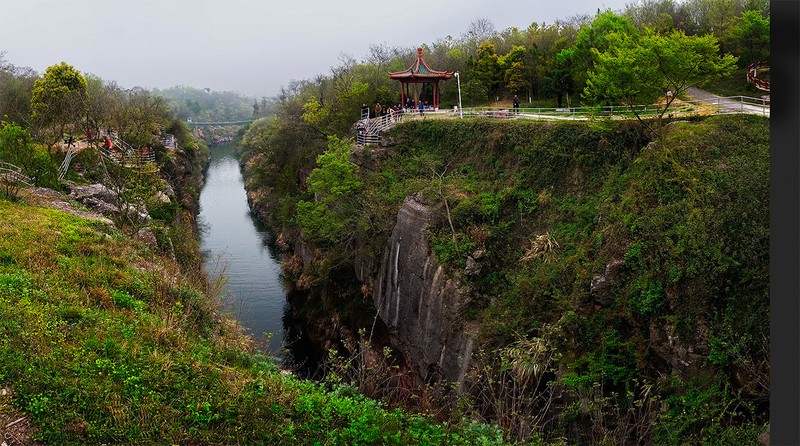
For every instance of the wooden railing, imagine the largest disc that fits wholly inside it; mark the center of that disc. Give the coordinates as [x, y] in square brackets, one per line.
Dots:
[752, 75]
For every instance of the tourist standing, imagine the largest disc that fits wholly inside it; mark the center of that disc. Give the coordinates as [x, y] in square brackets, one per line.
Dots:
[516, 104]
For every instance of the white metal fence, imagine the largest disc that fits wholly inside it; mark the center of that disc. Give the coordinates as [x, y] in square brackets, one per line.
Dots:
[369, 130]
[12, 173]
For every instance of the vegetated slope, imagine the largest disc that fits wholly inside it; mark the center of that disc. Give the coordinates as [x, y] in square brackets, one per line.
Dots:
[104, 341]
[619, 288]
[635, 267]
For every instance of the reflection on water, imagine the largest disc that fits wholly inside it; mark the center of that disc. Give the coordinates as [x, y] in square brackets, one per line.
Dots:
[235, 244]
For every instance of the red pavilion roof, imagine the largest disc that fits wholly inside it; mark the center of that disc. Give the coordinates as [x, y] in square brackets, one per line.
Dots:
[420, 70]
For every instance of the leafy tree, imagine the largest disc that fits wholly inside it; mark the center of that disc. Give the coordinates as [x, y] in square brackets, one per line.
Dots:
[590, 40]
[559, 82]
[17, 148]
[750, 34]
[721, 16]
[139, 117]
[642, 70]
[474, 91]
[335, 116]
[515, 72]
[663, 15]
[102, 98]
[515, 78]
[58, 102]
[545, 42]
[486, 67]
[331, 216]
[714, 17]
[761, 6]
[15, 145]
[135, 190]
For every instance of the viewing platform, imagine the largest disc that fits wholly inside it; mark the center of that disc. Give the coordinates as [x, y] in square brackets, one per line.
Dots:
[369, 130]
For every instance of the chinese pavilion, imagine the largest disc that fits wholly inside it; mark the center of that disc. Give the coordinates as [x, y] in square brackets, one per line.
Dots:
[420, 73]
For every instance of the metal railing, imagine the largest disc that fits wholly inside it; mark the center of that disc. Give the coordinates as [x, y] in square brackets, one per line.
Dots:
[132, 155]
[73, 148]
[369, 130]
[169, 141]
[10, 172]
[730, 104]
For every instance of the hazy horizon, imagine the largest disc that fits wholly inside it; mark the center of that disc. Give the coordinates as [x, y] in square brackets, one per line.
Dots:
[247, 46]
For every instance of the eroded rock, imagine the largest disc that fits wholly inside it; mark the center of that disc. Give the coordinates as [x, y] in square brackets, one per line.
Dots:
[146, 236]
[686, 356]
[419, 302]
[600, 287]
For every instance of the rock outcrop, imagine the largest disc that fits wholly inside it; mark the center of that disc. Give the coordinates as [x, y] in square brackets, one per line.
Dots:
[419, 302]
[96, 197]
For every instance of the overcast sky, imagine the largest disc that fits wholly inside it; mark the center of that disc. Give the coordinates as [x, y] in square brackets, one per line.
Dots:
[250, 46]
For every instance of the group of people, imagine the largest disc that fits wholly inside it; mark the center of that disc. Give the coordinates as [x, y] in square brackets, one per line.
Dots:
[108, 144]
[421, 105]
[393, 111]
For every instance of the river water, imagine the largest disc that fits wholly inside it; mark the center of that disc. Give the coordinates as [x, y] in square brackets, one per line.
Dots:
[234, 243]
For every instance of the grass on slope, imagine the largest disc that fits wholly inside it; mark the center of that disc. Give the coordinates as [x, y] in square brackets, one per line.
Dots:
[102, 341]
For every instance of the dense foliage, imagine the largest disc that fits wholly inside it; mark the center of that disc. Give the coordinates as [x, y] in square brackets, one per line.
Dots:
[679, 233]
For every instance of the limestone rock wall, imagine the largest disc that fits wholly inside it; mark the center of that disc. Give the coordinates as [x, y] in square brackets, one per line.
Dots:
[418, 301]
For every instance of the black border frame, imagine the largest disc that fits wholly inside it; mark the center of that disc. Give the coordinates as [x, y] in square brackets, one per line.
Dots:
[785, 223]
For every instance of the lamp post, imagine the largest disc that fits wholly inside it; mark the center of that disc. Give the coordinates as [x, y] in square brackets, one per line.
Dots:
[460, 110]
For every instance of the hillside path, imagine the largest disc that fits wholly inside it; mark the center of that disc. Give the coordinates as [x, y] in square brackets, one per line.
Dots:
[727, 105]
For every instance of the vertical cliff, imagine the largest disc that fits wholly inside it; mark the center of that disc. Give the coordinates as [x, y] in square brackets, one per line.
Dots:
[420, 303]
[640, 272]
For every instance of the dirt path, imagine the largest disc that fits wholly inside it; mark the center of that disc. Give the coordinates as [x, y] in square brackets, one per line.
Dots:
[15, 428]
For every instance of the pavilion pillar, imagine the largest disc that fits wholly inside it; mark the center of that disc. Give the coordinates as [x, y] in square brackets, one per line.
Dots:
[436, 95]
[416, 94]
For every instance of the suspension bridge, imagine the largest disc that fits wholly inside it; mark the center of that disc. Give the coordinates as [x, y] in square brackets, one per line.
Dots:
[219, 123]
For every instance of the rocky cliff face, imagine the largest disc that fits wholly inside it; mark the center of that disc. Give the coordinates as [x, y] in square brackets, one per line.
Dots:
[418, 301]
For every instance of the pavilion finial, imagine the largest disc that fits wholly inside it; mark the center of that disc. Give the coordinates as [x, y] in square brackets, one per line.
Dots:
[419, 52]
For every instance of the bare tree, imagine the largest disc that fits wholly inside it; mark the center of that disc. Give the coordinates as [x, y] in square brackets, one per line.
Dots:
[343, 76]
[321, 84]
[16, 85]
[481, 29]
[380, 54]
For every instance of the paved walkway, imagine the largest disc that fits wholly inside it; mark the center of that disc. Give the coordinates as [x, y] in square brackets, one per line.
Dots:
[727, 105]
